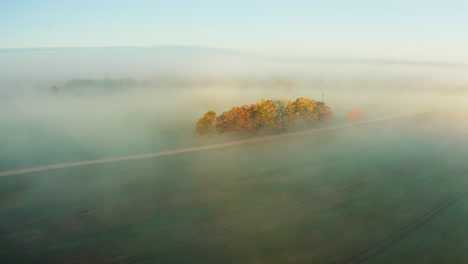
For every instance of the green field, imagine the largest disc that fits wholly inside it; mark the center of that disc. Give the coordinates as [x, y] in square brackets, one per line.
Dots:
[387, 192]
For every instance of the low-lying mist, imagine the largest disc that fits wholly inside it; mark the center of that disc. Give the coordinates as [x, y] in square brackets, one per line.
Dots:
[91, 115]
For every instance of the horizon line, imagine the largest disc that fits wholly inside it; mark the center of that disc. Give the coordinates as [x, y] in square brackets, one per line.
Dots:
[305, 58]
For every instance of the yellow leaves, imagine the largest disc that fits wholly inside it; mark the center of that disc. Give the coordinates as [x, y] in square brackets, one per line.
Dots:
[266, 114]
[206, 124]
[301, 111]
[270, 116]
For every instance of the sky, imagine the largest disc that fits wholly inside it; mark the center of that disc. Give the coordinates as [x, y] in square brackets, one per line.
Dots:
[409, 30]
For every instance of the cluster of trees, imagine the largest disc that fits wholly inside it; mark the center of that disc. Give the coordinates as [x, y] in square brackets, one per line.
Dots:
[265, 116]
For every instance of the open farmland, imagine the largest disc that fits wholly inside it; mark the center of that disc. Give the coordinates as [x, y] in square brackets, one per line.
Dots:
[384, 192]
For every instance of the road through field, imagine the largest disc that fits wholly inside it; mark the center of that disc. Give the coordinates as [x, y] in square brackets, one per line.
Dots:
[194, 149]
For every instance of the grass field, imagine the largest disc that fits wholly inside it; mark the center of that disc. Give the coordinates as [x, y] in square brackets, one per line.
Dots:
[389, 192]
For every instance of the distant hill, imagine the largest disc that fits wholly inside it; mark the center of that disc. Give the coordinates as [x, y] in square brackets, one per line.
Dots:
[100, 62]
[22, 67]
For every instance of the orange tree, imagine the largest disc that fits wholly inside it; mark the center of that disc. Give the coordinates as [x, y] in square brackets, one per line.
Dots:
[238, 119]
[355, 114]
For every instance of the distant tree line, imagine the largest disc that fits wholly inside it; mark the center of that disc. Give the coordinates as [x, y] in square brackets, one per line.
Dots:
[97, 86]
[108, 83]
[265, 116]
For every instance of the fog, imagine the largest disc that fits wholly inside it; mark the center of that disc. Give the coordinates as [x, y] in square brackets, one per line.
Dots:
[340, 189]
[62, 105]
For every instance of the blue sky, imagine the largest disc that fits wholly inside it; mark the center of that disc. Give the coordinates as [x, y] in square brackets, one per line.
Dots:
[427, 30]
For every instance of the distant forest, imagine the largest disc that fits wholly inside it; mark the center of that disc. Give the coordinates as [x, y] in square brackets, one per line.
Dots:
[410, 84]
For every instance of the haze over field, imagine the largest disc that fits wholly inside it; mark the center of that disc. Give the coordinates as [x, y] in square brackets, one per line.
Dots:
[72, 102]
[101, 103]
[151, 98]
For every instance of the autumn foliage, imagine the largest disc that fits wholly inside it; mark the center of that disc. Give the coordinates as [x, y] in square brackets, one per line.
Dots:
[265, 116]
[355, 114]
[206, 124]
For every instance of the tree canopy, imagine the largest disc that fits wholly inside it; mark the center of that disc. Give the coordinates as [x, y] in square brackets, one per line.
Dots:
[206, 124]
[265, 116]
